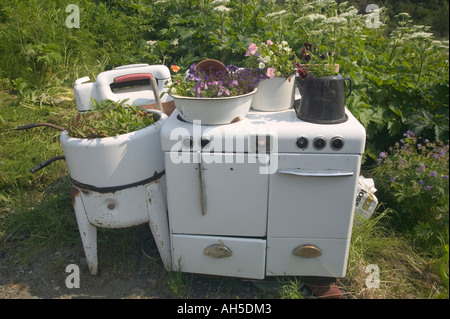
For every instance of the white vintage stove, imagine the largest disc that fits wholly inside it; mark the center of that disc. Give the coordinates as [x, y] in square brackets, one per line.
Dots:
[270, 195]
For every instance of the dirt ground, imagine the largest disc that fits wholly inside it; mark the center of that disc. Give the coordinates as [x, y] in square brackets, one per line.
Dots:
[139, 275]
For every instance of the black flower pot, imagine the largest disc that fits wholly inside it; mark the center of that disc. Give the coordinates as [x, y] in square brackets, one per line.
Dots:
[322, 99]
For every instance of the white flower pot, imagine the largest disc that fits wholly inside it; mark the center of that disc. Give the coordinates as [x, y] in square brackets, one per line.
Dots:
[214, 111]
[276, 94]
[115, 161]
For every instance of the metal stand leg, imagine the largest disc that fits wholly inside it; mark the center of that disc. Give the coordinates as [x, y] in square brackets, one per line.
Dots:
[88, 232]
[158, 223]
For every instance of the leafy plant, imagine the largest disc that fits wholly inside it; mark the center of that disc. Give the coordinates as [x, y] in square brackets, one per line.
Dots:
[413, 176]
[231, 82]
[109, 118]
[315, 63]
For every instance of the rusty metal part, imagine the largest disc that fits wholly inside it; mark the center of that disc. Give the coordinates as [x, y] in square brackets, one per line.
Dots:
[307, 251]
[218, 251]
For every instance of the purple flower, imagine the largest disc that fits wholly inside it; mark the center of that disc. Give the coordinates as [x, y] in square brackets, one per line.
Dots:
[419, 146]
[445, 176]
[428, 187]
[421, 167]
[409, 133]
[426, 140]
[433, 173]
[421, 182]
[234, 83]
[392, 179]
[382, 155]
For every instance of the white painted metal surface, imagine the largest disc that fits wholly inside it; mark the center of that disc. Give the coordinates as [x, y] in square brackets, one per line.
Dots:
[214, 111]
[270, 178]
[119, 182]
[247, 259]
[101, 89]
[276, 94]
[115, 161]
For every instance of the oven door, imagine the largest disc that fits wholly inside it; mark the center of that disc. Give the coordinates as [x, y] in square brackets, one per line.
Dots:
[217, 193]
[313, 196]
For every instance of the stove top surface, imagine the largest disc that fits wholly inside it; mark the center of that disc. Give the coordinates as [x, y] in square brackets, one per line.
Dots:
[279, 131]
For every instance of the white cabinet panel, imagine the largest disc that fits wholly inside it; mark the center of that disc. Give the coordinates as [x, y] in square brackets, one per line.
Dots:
[222, 195]
[313, 196]
[332, 261]
[224, 256]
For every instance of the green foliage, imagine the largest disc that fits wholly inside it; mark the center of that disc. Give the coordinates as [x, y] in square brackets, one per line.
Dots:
[110, 118]
[413, 179]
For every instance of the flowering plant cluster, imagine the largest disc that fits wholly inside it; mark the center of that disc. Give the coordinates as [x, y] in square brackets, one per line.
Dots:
[233, 81]
[415, 175]
[315, 63]
[271, 59]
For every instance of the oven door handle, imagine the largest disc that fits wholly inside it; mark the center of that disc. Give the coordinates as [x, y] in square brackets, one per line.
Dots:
[201, 178]
[315, 172]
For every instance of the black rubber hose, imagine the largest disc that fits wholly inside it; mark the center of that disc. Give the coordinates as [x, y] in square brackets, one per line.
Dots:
[46, 163]
[28, 126]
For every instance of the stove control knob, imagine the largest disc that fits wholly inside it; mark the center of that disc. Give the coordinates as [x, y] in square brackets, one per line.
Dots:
[319, 142]
[302, 142]
[205, 141]
[188, 142]
[337, 143]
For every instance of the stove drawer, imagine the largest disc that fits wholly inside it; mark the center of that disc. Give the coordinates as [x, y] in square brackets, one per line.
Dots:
[307, 257]
[223, 256]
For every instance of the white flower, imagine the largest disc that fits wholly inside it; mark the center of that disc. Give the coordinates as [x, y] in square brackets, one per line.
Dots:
[174, 41]
[218, 2]
[311, 17]
[274, 14]
[266, 59]
[351, 13]
[336, 20]
[222, 8]
[421, 35]
[261, 65]
[151, 43]
[404, 15]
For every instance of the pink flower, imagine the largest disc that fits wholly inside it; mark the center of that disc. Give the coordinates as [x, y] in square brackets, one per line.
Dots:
[269, 42]
[251, 49]
[270, 72]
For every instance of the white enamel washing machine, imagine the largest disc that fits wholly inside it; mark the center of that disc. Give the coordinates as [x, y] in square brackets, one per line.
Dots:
[119, 181]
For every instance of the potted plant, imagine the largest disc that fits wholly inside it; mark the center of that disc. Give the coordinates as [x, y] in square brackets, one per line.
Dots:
[213, 93]
[105, 147]
[114, 157]
[275, 64]
[321, 87]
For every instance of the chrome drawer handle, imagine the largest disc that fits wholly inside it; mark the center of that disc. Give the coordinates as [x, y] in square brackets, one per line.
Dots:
[307, 251]
[315, 173]
[218, 251]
